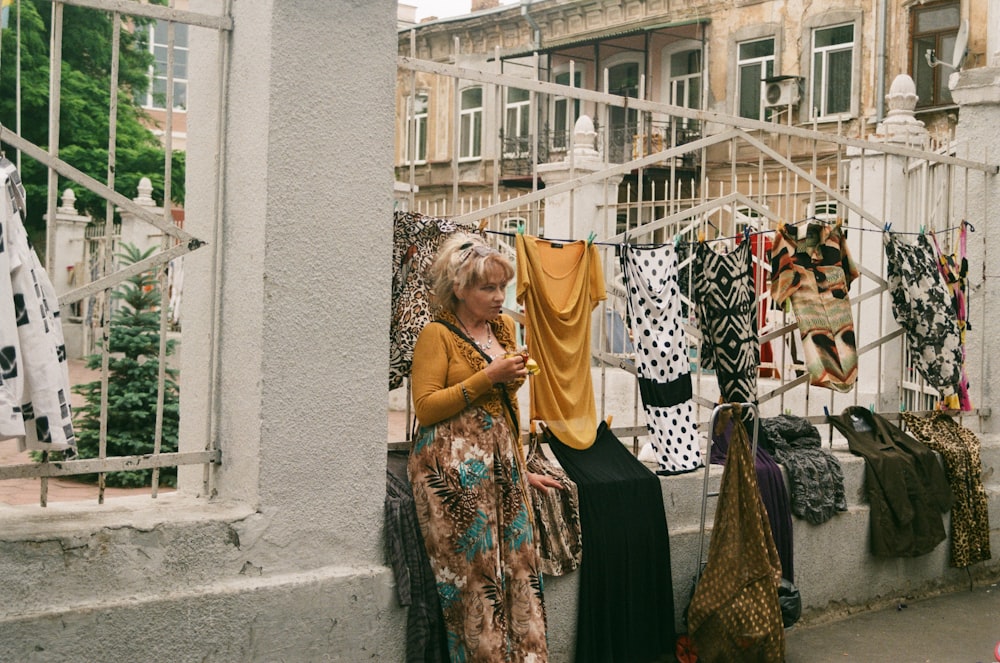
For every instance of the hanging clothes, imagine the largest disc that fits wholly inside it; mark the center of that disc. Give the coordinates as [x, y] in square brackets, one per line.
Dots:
[559, 284]
[814, 274]
[734, 613]
[959, 448]
[725, 304]
[906, 486]
[815, 477]
[426, 641]
[34, 375]
[557, 516]
[922, 305]
[662, 364]
[955, 270]
[625, 611]
[771, 482]
[415, 242]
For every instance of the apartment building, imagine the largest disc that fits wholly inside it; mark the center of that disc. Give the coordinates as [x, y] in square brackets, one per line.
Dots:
[821, 66]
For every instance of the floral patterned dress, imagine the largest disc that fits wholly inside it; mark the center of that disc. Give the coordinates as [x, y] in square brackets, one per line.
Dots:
[469, 486]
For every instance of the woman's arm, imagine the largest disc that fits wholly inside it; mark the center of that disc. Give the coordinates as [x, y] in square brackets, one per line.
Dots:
[434, 399]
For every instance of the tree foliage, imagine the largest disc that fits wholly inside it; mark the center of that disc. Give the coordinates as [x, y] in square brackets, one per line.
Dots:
[133, 373]
[84, 106]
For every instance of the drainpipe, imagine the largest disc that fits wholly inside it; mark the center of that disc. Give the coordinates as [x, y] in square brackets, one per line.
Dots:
[534, 26]
[880, 61]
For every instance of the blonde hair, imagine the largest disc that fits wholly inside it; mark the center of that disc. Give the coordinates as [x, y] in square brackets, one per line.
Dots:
[464, 261]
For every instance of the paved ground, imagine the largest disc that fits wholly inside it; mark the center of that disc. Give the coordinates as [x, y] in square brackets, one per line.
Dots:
[959, 627]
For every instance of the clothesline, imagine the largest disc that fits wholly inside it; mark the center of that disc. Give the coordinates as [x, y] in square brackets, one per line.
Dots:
[747, 234]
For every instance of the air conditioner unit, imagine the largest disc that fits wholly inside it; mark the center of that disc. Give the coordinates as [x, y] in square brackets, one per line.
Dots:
[782, 91]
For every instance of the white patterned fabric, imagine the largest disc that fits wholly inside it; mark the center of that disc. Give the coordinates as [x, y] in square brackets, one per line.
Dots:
[662, 363]
[34, 377]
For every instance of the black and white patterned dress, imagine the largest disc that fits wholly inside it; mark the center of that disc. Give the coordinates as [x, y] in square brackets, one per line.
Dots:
[725, 303]
[922, 305]
[662, 362]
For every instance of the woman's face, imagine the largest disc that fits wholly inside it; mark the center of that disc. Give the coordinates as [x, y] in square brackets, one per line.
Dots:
[483, 301]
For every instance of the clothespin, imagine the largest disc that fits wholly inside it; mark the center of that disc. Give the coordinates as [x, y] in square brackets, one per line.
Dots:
[746, 233]
[482, 224]
[608, 420]
[886, 227]
[871, 408]
[677, 240]
[826, 411]
[922, 229]
[701, 236]
[590, 237]
[520, 229]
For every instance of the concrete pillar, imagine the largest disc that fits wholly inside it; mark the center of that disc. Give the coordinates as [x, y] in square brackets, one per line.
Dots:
[878, 185]
[134, 230]
[68, 248]
[977, 92]
[586, 209]
[69, 270]
[302, 268]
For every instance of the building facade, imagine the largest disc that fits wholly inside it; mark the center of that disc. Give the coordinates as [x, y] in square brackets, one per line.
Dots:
[826, 67]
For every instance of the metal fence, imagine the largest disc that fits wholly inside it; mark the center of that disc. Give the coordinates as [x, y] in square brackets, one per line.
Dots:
[748, 175]
[92, 299]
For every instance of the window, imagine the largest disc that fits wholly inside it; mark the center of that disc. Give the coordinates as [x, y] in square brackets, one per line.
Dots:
[417, 124]
[623, 123]
[518, 121]
[157, 95]
[471, 119]
[832, 70]
[754, 63]
[934, 29]
[685, 81]
[565, 111]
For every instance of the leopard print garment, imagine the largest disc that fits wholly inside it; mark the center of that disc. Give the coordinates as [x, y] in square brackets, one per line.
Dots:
[959, 447]
[415, 242]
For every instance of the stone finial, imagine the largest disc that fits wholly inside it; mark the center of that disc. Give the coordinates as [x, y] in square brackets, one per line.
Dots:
[584, 137]
[901, 124]
[68, 205]
[145, 196]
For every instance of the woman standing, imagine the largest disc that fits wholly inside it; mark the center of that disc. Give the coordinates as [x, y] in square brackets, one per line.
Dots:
[467, 464]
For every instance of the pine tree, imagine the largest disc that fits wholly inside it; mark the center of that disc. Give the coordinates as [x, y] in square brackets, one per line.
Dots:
[133, 369]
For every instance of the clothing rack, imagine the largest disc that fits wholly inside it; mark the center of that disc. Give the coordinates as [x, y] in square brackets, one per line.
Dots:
[705, 494]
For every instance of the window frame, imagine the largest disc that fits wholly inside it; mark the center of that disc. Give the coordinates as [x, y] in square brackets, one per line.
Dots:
[521, 109]
[670, 81]
[743, 64]
[819, 80]
[158, 70]
[470, 147]
[562, 135]
[419, 122]
[940, 94]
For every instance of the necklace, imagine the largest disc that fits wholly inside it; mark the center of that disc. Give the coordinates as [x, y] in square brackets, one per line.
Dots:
[485, 345]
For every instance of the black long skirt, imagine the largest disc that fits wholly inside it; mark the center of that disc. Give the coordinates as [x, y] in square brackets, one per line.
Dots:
[626, 604]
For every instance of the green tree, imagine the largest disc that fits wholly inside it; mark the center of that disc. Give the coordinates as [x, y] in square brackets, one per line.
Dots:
[133, 372]
[84, 103]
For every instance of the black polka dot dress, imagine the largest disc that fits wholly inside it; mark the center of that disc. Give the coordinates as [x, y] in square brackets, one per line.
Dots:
[662, 363]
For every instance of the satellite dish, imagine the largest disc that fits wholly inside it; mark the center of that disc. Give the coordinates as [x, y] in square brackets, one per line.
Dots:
[957, 55]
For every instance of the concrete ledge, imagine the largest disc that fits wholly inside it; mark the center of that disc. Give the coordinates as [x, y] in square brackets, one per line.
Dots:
[331, 614]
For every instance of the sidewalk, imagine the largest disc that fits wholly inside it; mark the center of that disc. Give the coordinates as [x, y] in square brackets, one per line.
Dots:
[958, 627]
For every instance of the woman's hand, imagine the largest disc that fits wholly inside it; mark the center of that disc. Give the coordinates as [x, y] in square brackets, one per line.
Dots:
[506, 369]
[543, 482]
